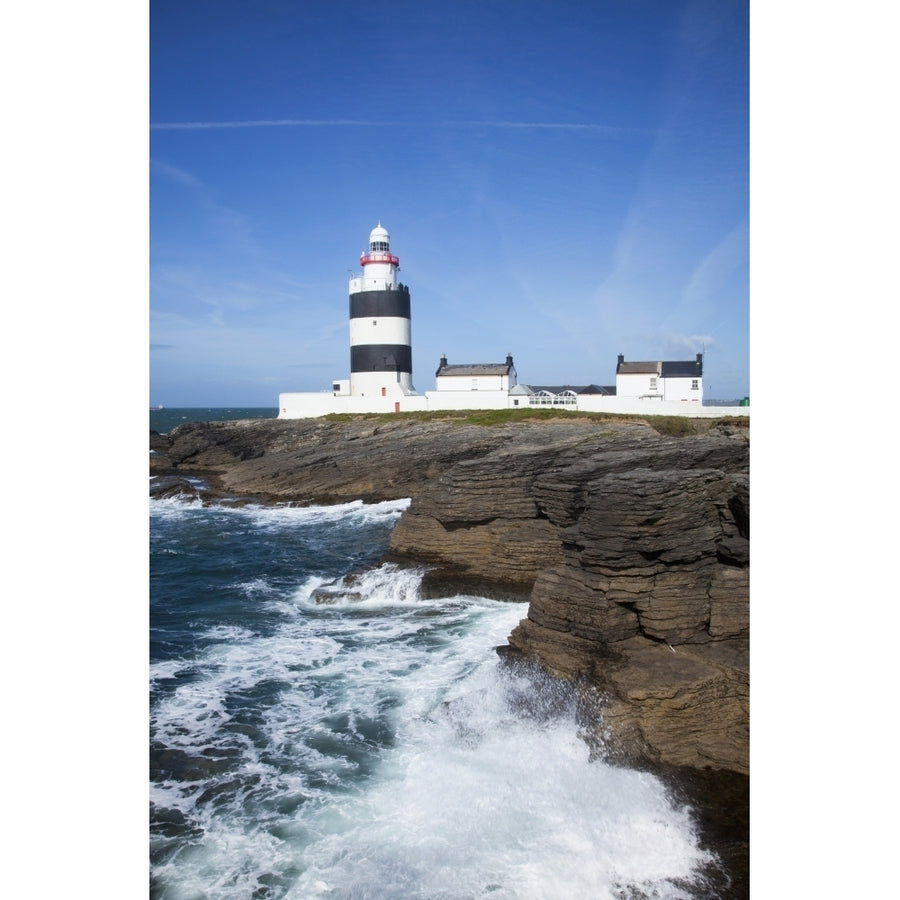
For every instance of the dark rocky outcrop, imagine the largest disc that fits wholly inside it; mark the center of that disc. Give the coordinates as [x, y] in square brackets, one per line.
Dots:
[632, 547]
[317, 460]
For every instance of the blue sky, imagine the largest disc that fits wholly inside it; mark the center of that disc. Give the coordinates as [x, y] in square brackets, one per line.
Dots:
[565, 181]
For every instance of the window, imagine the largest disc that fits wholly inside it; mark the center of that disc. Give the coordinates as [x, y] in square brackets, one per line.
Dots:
[541, 398]
[652, 382]
[694, 385]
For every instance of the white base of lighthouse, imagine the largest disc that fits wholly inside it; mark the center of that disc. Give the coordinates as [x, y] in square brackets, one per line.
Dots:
[382, 384]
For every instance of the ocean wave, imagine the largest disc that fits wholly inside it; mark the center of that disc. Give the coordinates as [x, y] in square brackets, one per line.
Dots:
[287, 514]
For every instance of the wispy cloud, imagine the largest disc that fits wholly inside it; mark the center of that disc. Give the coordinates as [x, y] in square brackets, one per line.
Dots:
[693, 343]
[558, 126]
[339, 123]
[259, 123]
[715, 268]
[228, 223]
[175, 173]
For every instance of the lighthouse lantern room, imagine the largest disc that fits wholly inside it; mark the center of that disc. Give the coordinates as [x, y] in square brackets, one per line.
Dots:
[380, 332]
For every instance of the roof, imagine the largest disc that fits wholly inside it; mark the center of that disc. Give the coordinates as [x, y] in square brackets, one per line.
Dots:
[575, 389]
[689, 368]
[475, 369]
[638, 368]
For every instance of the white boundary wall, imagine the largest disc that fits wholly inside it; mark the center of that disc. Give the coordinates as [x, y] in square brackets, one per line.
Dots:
[626, 406]
[310, 406]
[313, 405]
[480, 399]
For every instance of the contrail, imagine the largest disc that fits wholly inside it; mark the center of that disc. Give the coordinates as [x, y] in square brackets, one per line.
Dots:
[325, 123]
[562, 126]
[257, 123]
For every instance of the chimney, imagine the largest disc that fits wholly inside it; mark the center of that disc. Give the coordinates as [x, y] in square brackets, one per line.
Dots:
[509, 361]
[620, 361]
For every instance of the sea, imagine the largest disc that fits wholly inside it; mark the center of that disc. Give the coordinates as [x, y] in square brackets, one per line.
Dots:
[318, 728]
[163, 420]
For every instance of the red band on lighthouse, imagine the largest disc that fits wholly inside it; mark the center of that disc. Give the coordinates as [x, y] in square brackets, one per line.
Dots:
[368, 258]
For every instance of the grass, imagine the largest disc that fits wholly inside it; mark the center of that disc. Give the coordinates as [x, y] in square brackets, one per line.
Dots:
[674, 426]
[670, 426]
[485, 417]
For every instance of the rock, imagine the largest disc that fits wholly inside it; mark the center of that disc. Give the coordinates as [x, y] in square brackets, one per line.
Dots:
[682, 706]
[319, 461]
[173, 486]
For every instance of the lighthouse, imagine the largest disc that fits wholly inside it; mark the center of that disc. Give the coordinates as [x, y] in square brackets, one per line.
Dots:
[380, 333]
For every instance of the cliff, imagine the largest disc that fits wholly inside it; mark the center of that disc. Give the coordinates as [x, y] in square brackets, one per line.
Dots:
[631, 546]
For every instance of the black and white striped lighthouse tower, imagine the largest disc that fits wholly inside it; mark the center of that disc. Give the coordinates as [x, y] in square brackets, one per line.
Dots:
[380, 348]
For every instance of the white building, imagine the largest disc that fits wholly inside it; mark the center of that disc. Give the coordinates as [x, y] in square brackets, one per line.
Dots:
[676, 381]
[475, 377]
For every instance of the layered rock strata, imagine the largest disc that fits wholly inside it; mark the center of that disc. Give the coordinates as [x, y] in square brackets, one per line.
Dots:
[631, 547]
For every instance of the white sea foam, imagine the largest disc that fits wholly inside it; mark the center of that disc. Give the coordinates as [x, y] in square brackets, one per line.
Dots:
[385, 586]
[227, 634]
[172, 507]
[274, 517]
[167, 669]
[288, 514]
[258, 588]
